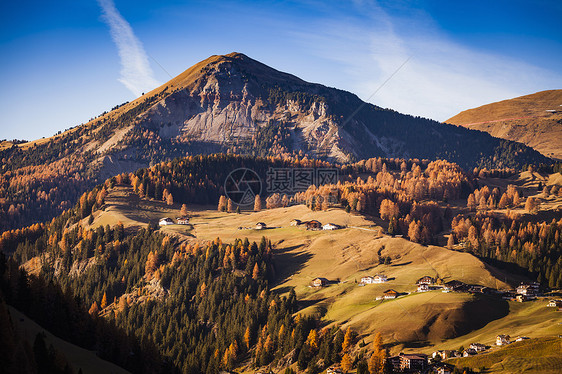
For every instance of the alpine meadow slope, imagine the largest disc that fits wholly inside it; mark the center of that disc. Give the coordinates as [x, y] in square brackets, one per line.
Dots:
[535, 120]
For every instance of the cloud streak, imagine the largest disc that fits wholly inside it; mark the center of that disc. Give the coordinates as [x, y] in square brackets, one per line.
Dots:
[136, 73]
[442, 78]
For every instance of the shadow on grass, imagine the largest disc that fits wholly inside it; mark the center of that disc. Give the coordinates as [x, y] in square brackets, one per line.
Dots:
[416, 344]
[402, 264]
[288, 262]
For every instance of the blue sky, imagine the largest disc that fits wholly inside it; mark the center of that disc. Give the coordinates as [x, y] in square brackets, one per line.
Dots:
[65, 61]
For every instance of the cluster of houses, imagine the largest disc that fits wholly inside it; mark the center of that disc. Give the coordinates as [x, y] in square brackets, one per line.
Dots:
[179, 221]
[379, 278]
[315, 225]
[475, 348]
[428, 283]
[310, 225]
[472, 350]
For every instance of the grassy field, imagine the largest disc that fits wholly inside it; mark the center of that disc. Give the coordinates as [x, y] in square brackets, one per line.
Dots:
[543, 355]
[413, 322]
[78, 358]
[343, 257]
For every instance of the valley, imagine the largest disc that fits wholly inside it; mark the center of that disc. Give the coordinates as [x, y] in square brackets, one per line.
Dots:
[429, 321]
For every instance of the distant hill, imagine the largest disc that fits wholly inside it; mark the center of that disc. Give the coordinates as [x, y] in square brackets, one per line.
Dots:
[535, 120]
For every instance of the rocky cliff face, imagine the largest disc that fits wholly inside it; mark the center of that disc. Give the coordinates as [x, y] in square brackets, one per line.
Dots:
[236, 104]
[233, 103]
[225, 106]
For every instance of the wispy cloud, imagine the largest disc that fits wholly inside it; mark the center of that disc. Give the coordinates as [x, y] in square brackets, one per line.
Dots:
[443, 76]
[136, 73]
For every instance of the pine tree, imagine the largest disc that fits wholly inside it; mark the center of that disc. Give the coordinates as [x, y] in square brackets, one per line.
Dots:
[183, 211]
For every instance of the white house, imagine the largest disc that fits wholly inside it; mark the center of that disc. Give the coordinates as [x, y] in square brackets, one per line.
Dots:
[182, 220]
[166, 221]
[380, 278]
[554, 303]
[503, 339]
[331, 226]
[521, 338]
[426, 287]
[469, 352]
[367, 280]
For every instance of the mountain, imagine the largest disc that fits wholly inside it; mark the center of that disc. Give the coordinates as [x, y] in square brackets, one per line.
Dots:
[535, 120]
[229, 104]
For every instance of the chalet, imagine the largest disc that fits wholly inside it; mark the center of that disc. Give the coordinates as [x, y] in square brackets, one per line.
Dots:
[528, 289]
[182, 220]
[469, 352]
[313, 225]
[426, 280]
[521, 338]
[426, 287]
[521, 298]
[319, 282]
[477, 347]
[296, 222]
[454, 285]
[475, 288]
[260, 226]
[166, 221]
[442, 368]
[390, 294]
[331, 226]
[503, 339]
[554, 303]
[417, 361]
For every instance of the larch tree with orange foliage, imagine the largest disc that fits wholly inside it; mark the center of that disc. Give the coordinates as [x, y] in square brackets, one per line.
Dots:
[257, 203]
[346, 364]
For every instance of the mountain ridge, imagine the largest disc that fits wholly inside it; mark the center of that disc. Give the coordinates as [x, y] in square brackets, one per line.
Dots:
[231, 104]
